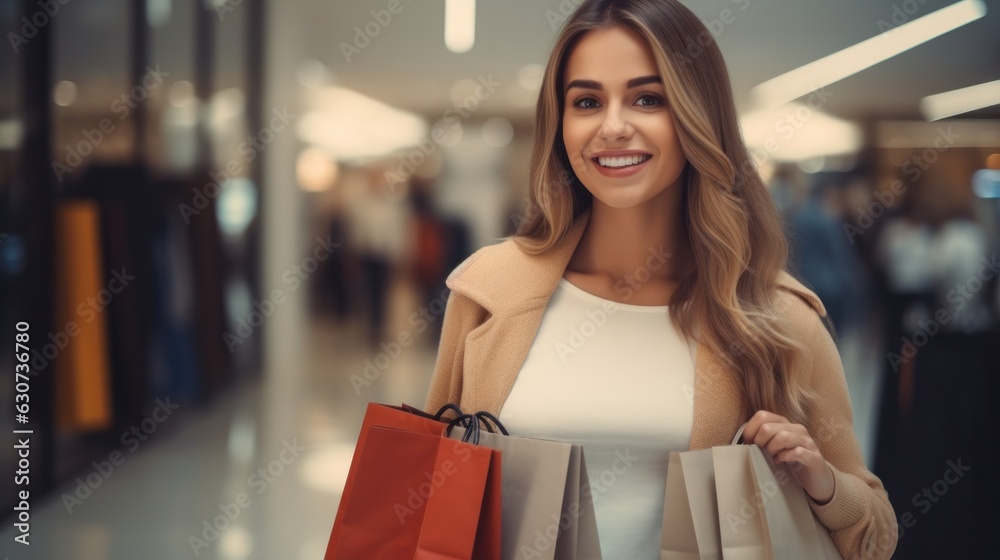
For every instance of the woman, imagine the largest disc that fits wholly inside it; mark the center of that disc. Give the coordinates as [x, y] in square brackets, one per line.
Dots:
[643, 306]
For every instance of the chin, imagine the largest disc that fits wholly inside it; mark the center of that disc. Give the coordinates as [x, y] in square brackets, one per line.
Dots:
[623, 197]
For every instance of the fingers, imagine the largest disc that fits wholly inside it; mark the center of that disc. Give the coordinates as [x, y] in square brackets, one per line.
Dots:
[797, 454]
[791, 444]
[774, 432]
[783, 439]
[758, 421]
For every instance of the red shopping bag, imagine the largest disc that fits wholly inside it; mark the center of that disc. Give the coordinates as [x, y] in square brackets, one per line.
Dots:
[413, 493]
[463, 517]
[404, 418]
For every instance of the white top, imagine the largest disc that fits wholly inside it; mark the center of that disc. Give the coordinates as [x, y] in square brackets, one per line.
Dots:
[619, 380]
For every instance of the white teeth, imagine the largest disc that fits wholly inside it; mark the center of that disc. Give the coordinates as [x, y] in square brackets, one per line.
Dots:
[622, 161]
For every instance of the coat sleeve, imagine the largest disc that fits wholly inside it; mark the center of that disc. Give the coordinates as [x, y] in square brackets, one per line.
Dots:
[460, 316]
[859, 516]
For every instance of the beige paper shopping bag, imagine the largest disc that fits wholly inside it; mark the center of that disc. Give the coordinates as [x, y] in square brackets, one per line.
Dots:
[733, 503]
[690, 512]
[547, 505]
[743, 528]
[793, 528]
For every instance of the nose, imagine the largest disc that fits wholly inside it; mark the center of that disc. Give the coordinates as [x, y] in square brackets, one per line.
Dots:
[614, 127]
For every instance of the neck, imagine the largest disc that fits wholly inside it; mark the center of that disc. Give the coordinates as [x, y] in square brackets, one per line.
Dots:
[620, 241]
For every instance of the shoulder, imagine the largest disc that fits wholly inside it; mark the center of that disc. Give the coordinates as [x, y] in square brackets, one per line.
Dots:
[485, 263]
[809, 325]
[503, 277]
[800, 306]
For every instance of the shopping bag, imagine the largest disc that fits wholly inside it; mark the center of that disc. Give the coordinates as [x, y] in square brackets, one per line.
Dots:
[548, 508]
[744, 530]
[791, 522]
[403, 418]
[442, 537]
[733, 503]
[418, 496]
[421, 496]
[764, 512]
[690, 511]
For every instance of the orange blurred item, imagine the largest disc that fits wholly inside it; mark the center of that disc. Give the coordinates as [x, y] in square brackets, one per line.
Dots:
[993, 161]
[82, 373]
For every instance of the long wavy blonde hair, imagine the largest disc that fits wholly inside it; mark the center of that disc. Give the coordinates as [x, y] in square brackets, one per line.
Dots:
[734, 227]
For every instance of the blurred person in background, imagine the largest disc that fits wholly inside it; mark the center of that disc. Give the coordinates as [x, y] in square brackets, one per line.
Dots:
[857, 196]
[380, 226]
[341, 265]
[783, 189]
[940, 384]
[427, 264]
[820, 252]
[663, 194]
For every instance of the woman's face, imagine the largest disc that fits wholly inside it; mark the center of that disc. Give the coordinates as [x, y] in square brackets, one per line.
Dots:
[615, 106]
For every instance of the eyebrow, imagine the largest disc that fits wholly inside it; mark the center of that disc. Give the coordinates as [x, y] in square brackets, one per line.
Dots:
[633, 83]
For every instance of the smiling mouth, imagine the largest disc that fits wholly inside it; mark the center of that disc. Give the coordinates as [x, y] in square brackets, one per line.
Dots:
[621, 161]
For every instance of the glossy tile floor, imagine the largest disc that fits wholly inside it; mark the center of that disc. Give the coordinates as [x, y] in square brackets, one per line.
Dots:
[299, 427]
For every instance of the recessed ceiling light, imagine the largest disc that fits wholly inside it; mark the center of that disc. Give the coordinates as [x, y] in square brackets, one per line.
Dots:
[459, 25]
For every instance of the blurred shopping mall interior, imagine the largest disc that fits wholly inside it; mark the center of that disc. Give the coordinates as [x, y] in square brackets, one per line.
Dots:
[217, 217]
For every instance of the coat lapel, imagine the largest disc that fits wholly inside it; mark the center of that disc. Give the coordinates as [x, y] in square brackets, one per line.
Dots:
[515, 287]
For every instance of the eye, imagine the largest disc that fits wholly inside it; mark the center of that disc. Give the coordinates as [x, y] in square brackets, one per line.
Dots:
[653, 101]
[657, 100]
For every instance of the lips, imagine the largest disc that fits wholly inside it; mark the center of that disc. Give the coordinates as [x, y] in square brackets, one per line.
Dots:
[622, 170]
[615, 162]
[616, 159]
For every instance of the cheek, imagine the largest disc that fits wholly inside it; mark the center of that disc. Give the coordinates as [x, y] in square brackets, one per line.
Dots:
[575, 139]
[668, 145]
[572, 136]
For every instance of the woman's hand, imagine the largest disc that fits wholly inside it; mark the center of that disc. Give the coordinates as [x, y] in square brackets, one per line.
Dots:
[791, 443]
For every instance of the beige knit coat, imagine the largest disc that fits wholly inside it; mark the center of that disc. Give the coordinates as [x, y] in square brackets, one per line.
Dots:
[494, 309]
